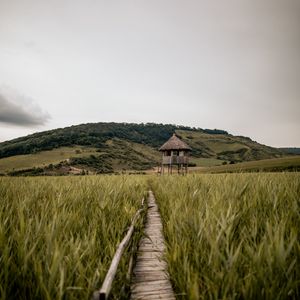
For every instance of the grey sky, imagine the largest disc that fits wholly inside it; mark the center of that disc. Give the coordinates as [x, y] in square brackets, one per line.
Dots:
[233, 65]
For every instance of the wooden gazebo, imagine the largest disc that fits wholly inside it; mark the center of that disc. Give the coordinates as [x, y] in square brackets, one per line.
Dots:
[175, 152]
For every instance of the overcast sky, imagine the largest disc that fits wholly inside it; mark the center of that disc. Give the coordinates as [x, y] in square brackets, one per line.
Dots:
[233, 65]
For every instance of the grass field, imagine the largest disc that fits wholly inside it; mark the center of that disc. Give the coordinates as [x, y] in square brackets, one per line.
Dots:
[290, 163]
[58, 235]
[229, 236]
[43, 158]
[206, 162]
[232, 236]
[216, 143]
[120, 155]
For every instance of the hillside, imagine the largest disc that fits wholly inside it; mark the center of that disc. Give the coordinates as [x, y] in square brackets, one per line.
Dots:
[289, 163]
[110, 147]
[293, 151]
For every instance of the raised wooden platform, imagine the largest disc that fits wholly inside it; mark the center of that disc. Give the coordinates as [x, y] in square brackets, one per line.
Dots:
[150, 277]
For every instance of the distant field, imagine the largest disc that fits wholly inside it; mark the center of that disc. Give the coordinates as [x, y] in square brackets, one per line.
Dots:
[277, 164]
[205, 162]
[215, 143]
[119, 154]
[43, 158]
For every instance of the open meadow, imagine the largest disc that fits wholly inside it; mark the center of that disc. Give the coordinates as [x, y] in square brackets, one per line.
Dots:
[282, 164]
[232, 236]
[59, 234]
[43, 158]
[229, 236]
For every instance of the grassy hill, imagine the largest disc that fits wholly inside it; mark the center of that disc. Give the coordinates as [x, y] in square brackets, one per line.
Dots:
[292, 150]
[111, 147]
[289, 163]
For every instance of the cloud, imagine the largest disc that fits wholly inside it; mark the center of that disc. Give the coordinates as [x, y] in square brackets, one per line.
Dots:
[16, 109]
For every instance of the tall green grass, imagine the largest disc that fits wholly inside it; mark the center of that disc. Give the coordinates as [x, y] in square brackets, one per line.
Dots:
[58, 235]
[233, 236]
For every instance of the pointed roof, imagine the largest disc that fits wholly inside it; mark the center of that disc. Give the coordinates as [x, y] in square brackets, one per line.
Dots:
[174, 143]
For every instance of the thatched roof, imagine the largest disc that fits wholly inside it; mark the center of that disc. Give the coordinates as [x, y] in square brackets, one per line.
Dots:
[174, 143]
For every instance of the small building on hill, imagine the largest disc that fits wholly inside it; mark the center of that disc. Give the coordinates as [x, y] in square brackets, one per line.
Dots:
[175, 153]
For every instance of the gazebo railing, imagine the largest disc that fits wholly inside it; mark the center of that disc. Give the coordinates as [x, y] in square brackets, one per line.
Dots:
[167, 160]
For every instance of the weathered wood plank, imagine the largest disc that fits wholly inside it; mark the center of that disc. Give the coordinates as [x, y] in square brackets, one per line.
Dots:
[154, 282]
[150, 277]
[152, 263]
[150, 288]
[157, 294]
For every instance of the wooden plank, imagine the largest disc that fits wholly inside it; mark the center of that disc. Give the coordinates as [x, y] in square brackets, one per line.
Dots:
[154, 282]
[151, 288]
[166, 291]
[150, 277]
[154, 295]
[152, 262]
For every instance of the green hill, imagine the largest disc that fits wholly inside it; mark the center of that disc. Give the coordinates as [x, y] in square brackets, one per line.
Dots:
[111, 147]
[288, 163]
[291, 150]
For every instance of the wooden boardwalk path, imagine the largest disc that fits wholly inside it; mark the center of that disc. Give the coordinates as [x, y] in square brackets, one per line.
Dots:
[150, 278]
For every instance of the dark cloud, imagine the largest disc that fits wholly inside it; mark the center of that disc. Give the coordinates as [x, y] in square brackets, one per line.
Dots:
[20, 111]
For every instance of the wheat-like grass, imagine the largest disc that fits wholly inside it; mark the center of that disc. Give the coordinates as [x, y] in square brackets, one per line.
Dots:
[58, 235]
[233, 236]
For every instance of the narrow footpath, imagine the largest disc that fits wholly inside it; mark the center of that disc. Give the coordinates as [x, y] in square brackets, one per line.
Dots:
[150, 277]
